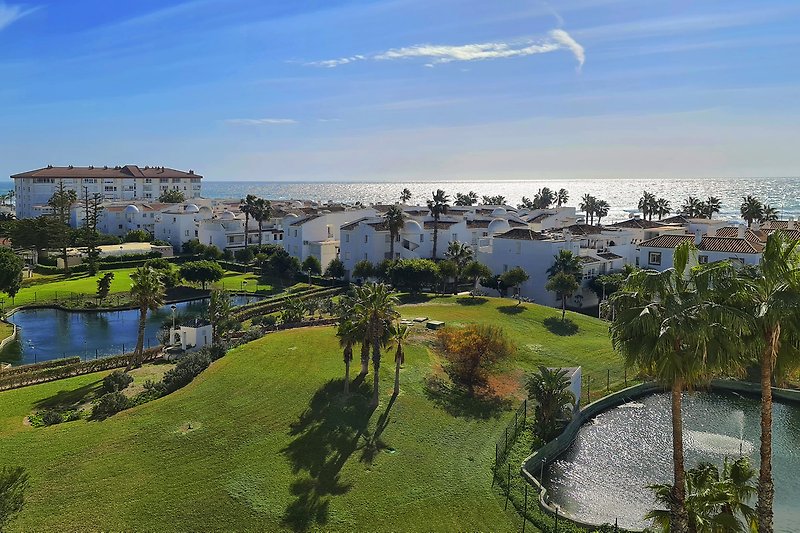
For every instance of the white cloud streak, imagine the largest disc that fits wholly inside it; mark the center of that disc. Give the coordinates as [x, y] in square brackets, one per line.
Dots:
[261, 121]
[438, 54]
[10, 13]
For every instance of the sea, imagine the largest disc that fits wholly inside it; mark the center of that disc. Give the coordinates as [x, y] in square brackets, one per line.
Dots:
[623, 195]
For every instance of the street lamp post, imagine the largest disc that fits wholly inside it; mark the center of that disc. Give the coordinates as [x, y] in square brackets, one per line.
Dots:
[244, 288]
[171, 338]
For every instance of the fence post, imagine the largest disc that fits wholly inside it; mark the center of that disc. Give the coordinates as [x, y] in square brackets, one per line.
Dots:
[556, 530]
[516, 422]
[505, 448]
[524, 412]
[123, 348]
[525, 509]
[508, 485]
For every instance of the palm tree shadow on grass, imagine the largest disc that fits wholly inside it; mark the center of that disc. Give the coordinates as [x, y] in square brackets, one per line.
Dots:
[511, 309]
[470, 300]
[327, 434]
[456, 401]
[563, 328]
[65, 399]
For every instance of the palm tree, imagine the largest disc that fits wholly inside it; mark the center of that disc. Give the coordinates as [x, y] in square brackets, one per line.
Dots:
[588, 206]
[350, 332]
[405, 196]
[711, 205]
[246, 207]
[647, 205]
[460, 254]
[772, 296]
[568, 263]
[671, 325]
[601, 208]
[471, 198]
[438, 205]
[477, 271]
[562, 197]
[751, 209]
[262, 210]
[219, 309]
[395, 222]
[564, 286]
[663, 208]
[376, 306]
[549, 388]
[715, 502]
[692, 207]
[770, 214]
[147, 293]
[399, 333]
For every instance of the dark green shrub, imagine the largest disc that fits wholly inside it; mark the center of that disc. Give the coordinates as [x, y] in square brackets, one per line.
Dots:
[244, 255]
[185, 371]
[110, 404]
[116, 381]
[51, 417]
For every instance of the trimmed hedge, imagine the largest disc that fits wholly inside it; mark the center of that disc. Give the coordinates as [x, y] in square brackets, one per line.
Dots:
[23, 369]
[275, 304]
[113, 265]
[73, 369]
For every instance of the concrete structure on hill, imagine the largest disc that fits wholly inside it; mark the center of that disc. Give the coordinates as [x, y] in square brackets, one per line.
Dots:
[118, 184]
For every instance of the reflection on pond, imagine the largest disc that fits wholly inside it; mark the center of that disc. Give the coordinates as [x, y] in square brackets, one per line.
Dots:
[52, 333]
[604, 474]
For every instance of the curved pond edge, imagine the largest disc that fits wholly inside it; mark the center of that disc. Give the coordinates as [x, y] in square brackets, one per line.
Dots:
[553, 449]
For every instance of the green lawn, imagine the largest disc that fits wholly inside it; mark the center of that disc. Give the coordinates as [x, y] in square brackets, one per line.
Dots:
[233, 281]
[62, 287]
[262, 440]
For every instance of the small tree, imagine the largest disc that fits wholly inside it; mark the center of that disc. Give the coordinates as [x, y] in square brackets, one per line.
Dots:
[13, 484]
[10, 271]
[448, 270]
[201, 272]
[414, 274]
[293, 311]
[514, 277]
[472, 351]
[549, 388]
[335, 269]
[137, 235]
[244, 255]
[363, 270]
[311, 264]
[564, 286]
[173, 196]
[104, 285]
[477, 271]
[219, 310]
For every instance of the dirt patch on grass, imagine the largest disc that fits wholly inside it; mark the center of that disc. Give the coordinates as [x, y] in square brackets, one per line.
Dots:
[508, 384]
[188, 427]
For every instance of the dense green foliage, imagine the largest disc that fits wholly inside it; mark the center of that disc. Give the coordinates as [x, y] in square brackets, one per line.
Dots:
[116, 381]
[202, 272]
[172, 196]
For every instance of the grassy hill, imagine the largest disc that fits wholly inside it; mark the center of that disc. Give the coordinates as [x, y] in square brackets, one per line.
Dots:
[262, 440]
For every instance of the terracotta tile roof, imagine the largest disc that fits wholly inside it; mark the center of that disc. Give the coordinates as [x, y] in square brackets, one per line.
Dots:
[637, 223]
[517, 224]
[522, 234]
[304, 220]
[666, 241]
[478, 224]
[733, 231]
[443, 224]
[790, 233]
[730, 245]
[584, 229]
[128, 171]
[677, 219]
[539, 218]
[354, 224]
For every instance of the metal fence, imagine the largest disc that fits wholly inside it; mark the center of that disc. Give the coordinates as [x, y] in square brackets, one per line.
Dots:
[595, 385]
[510, 434]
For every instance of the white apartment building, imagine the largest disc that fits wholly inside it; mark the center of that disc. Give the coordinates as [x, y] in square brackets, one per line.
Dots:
[120, 218]
[226, 231]
[659, 253]
[317, 234]
[118, 184]
[549, 219]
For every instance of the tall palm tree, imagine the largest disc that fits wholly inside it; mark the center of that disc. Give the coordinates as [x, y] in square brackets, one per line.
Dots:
[562, 197]
[670, 325]
[246, 207]
[770, 214]
[147, 293]
[692, 207]
[663, 208]
[588, 205]
[460, 254]
[405, 195]
[399, 333]
[376, 306]
[647, 204]
[262, 211]
[567, 262]
[751, 209]
[395, 222]
[438, 205]
[711, 205]
[471, 198]
[601, 208]
[772, 296]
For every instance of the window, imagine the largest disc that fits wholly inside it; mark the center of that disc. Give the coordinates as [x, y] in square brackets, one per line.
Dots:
[346, 237]
[703, 259]
[654, 258]
[347, 256]
[454, 236]
[366, 239]
[421, 237]
[295, 233]
[187, 233]
[148, 180]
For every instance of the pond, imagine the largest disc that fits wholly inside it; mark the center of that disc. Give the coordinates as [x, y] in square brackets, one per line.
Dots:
[603, 476]
[53, 333]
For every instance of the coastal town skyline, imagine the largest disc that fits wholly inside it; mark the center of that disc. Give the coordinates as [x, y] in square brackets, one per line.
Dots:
[453, 90]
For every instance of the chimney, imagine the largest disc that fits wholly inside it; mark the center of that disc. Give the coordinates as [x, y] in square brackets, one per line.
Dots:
[790, 223]
[698, 236]
[755, 226]
[741, 233]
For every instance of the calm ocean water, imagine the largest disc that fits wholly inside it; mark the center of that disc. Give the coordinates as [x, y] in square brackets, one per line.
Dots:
[622, 194]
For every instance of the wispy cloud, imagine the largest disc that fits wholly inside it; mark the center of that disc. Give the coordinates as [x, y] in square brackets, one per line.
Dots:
[261, 121]
[437, 54]
[10, 13]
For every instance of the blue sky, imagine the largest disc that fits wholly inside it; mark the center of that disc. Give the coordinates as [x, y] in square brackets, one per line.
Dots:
[404, 89]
